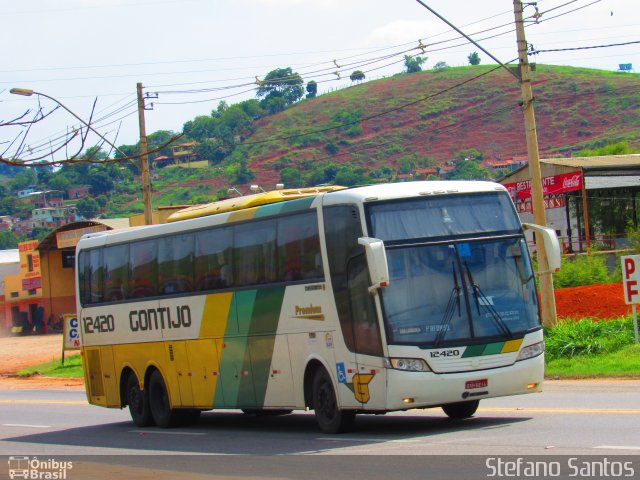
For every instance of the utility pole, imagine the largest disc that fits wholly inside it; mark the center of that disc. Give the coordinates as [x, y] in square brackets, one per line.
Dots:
[144, 160]
[548, 308]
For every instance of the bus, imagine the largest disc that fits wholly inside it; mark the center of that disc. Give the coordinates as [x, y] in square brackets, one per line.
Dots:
[343, 301]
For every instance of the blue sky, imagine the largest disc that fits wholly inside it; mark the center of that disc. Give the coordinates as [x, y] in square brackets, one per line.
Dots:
[195, 53]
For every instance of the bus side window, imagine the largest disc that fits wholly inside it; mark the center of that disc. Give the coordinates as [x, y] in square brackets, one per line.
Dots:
[299, 247]
[84, 273]
[213, 268]
[116, 272]
[366, 331]
[175, 264]
[95, 276]
[255, 253]
[342, 230]
[144, 269]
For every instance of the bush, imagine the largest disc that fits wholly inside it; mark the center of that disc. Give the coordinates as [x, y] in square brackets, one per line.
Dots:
[569, 338]
[581, 270]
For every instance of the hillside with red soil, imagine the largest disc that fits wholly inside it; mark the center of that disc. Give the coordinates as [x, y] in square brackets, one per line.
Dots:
[432, 115]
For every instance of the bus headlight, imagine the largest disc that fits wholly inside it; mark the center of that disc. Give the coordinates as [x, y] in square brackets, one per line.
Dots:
[531, 351]
[407, 364]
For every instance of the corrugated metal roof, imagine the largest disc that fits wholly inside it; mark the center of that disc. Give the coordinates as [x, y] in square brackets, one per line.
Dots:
[618, 181]
[605, 161]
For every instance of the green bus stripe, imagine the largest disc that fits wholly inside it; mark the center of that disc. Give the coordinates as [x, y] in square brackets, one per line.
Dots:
[480, 350]
[269, 210]
[266, 314]
[234, 357]
[473, 351]
[493, 348]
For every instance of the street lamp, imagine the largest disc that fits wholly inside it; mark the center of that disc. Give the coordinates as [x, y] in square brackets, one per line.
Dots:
[26, 92]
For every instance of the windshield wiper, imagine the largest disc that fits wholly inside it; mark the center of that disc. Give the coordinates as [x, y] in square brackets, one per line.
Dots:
[494, 315]
[454, 301]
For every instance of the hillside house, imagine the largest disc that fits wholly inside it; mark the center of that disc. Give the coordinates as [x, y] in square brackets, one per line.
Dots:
[46, 198]
[184, 152]
[53, 217]
[25, 192]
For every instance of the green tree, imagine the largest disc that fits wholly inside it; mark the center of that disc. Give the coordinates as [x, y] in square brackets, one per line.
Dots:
[87, 207]
[8, 239]
[280, 88]
[44, 173]
[357, 76]
[26, 177]
[331, 148]
[252, 108]
[468, 154]
[160, 137]
[15, 207]
[473, 58]
[413, 64]
[407, 164]
[440, 66]
[94, 154]
[238, 172]
[349, 176]
[312, 89]
[200, 128]
[469, 170]
[620, 148]
[59, 182]
[291, 177]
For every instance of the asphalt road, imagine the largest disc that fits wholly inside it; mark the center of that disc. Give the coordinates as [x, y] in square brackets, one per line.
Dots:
[571, 418]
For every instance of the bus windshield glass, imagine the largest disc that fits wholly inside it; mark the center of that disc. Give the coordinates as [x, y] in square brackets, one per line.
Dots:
[459, 270]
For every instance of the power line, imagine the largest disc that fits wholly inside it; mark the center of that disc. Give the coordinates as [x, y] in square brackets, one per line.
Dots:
[536, 51]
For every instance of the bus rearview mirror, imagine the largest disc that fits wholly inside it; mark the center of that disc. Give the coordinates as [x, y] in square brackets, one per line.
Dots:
[377, 261]
[551, 244]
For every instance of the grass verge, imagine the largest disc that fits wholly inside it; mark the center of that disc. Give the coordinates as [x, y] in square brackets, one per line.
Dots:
[72, 368]
[623, 363]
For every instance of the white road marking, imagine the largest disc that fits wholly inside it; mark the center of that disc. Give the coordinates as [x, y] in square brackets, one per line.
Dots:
[368, 440]
[619, 447]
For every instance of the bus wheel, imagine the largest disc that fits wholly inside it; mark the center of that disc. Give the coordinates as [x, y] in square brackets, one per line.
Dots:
[461, 410]
[138, 402]
[329, 417]
[159, 401]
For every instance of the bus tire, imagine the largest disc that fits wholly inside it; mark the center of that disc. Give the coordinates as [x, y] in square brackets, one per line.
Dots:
[159, 404]
[138, 401]
[329, 417]
[460, 410]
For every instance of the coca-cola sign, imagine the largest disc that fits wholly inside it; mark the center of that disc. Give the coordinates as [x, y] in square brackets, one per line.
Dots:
[566, 182]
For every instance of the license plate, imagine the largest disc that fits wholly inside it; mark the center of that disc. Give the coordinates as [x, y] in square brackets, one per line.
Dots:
[471, 384]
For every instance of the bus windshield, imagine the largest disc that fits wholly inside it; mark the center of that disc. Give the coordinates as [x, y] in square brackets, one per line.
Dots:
[455, 277]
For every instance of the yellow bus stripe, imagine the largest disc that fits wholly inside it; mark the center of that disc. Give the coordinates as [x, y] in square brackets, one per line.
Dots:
[215, 315]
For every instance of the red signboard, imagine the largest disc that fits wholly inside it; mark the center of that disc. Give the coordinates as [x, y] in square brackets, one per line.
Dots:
[553, 201]
[31, 283]
[566, 182]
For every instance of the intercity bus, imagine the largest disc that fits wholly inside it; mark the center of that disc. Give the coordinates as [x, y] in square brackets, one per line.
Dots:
[343, 301]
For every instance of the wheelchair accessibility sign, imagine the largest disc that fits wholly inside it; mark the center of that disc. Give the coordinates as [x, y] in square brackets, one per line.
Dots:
[342, 374]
